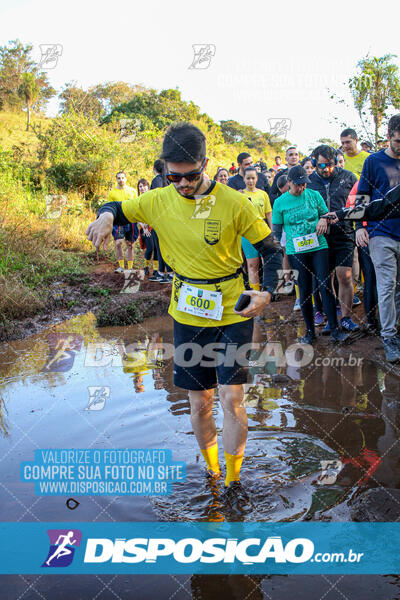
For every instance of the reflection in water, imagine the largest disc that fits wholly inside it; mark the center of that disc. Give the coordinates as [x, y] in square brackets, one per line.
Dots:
[318, 434]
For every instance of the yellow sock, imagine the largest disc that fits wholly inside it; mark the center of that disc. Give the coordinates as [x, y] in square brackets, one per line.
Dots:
[121, 263]
[146, 263]
[355, 287]
[210, 455]
[296, 287]
[130, 264]
[155, 265]
[255, 286]
[233, 464]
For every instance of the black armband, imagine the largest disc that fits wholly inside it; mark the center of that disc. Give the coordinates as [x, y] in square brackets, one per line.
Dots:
[272, 254]
[115, 208]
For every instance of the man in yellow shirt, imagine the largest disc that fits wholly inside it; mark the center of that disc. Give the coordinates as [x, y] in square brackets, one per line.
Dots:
[200, 225]
[128, 232]
[354, 158]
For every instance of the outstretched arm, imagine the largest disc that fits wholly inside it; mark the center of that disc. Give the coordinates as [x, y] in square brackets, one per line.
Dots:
[99, 231]
[387, 207]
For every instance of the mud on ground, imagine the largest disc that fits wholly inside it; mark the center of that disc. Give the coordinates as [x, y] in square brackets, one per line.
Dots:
[115, 299]
[118, 299]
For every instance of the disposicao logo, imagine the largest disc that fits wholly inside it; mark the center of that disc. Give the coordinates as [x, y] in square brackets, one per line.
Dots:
[62, 547]
[190, 550]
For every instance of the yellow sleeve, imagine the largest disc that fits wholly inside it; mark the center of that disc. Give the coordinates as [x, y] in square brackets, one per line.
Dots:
[267, 204]
[141, 208]
[250, 225]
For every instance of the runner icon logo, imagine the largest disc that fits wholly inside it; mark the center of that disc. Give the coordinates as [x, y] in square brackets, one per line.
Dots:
[203, 54]
[62, 547]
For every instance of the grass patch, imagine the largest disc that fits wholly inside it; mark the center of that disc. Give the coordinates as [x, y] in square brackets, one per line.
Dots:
[129, 314]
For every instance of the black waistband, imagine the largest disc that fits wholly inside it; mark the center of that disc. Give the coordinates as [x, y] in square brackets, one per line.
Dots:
[209, 281]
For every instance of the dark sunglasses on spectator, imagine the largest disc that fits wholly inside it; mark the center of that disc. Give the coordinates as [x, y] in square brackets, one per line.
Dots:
[325, 165]
[190, 176]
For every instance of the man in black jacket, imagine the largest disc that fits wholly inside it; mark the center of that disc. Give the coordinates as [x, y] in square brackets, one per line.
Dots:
[334, 184]
[237, 182]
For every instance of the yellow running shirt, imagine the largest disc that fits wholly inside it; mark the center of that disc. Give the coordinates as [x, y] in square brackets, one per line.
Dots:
[260, 200]
[200, 238]
[355, 163]
[119, 194]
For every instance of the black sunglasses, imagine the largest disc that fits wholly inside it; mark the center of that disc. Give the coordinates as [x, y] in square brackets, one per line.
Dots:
[190, 176]
[325, 165]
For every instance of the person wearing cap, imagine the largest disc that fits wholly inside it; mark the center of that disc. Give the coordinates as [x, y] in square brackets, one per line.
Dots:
[366, 146]
[298, 211]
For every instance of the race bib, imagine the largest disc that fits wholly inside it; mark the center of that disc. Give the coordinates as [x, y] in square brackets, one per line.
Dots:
[305, 242]
[201, 303]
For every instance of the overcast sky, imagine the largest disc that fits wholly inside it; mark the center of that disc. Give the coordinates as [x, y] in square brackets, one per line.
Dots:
[273, 60]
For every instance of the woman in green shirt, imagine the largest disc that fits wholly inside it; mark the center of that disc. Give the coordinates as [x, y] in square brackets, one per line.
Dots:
[298, 211]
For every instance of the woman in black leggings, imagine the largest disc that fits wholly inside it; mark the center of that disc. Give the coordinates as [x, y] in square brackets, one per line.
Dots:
[298, 211]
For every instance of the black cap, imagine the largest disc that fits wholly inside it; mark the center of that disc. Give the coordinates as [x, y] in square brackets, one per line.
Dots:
[298, 175]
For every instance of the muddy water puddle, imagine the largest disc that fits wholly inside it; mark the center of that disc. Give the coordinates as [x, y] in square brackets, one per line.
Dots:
[321, 431]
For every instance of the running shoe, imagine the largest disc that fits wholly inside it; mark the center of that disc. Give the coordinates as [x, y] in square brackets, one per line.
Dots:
[213, 475]
[146, 271]
[372, 327]
[156, 276]
[319, 318]
[236, 496]
[297, 305]
[349, 325]
[119, 270]
[309, 338]
[392, 349]
[326, 330]
[356, 300]
[339, 336]
[338, 310]
[165, 279]
[170, 276]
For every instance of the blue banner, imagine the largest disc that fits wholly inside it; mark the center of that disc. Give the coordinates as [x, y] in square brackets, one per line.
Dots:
[206, 548]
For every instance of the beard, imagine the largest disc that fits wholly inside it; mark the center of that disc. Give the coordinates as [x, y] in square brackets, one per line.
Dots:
[395, 151]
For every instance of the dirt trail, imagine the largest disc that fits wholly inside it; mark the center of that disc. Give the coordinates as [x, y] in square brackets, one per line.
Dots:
[116, 299]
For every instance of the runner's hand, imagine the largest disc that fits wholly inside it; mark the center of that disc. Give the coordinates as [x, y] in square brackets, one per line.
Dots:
[100, 230]
[322, 226]
[362, 237]
[259, 301]
[331, 217]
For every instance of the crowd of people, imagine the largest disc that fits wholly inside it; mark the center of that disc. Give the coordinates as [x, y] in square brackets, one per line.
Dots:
[331, 262]
[333, 214]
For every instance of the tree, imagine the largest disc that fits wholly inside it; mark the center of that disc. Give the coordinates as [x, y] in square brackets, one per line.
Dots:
[113, 93]
[29, 91]
[155, 111]
[15, 60]
[375, 89]
[236, 133]
[321, 141]
[98, 100]
[75, 99]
